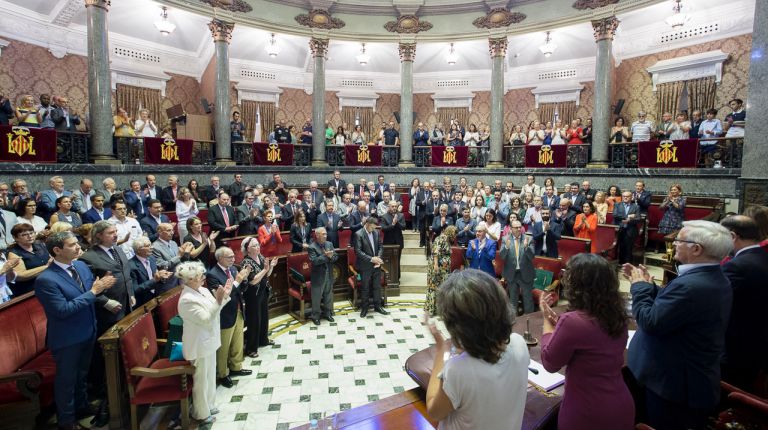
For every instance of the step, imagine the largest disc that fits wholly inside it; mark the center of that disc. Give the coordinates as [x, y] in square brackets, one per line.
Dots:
[411, 243]
[413, 263]
[413, 282]
[412, 251]
[409, 234]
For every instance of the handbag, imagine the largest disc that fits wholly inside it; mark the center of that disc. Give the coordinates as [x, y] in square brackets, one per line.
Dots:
[176, 352]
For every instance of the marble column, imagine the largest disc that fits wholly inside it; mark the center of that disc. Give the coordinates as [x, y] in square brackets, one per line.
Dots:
[754, 176]
[605, 29]
[319, 49]
[99, 82]
[498, 50]
[222, 34]
[407, 57]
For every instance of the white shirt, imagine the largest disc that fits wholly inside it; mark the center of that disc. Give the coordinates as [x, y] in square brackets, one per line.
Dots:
[484, 395]
[129, 225]
[641, 131]
[200, 312]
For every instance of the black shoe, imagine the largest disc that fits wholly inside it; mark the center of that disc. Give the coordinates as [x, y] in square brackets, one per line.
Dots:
[316, 321]
[226, 382]
[364, 312]
[381, 311]
[86, 412]
[270, 342]
[241, 372]
[329, 318]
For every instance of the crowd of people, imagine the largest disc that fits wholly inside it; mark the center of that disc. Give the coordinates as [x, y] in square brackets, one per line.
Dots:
[121, 250]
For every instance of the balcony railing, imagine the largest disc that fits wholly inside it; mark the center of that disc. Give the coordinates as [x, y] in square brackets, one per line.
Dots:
[724, 153]
[130, 150]
[72, 147]
[242, 153]
[335, 156]
[577, 156]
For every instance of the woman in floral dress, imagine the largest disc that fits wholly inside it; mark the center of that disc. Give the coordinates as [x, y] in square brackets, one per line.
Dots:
[439, 266]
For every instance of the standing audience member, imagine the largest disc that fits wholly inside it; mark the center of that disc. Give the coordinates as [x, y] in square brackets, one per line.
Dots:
[484, 386]
[221, 218]
[438, 267]
[641, 197]
[229, 356]
[675, 353]
[128, 229]
[186, 208]
[482, 251]
[589, 339]
[331, 221]
[465, 226]
[301, 233]
[201, 338]
[256, 296]
[674, 210]
[202, 244]
[393, 224]
[626, 215]
[269, 235]
[585, 226]
[154, 218]
[517, 253]
[33, 258]
[746, 340]
[322, 256]
[546, 233]
[67, 292]
[369, 250]
[641, 130]
[249, 215]
[147, 280]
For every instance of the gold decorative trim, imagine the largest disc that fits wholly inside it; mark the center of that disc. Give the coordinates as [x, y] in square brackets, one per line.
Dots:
[319, 18]
[592, 4]
[497, 18]
[497, 46]
[407, 24]
[221, 30]
[230, 5]
[407, 51]
[318, 47]
[605, 28]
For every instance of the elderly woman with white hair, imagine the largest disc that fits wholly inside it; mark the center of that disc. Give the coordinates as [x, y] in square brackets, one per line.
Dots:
[200, 309]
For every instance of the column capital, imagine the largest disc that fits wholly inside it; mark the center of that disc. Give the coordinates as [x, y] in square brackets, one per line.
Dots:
[605, 28]
[497, 46]
[103, 4]
[221, 30]
[318, 47]
[407, 51]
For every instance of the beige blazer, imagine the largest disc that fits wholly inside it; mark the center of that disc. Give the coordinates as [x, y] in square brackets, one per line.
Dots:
[200, 312]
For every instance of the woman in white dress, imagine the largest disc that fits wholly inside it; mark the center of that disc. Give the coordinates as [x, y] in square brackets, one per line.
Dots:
[680, 128]
[558, 133]
[144, 126]
[186, 208]
[358, 137]
[536, 134]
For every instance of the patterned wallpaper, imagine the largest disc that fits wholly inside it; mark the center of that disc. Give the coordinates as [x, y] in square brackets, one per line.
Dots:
[633, 82]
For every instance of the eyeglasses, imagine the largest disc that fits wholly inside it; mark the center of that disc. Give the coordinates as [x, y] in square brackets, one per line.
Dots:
[27, 234]
[676, 241]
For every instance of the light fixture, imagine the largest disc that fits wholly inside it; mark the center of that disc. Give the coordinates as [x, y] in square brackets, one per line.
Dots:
[678, 18]
[548, 48]
[453, 57]
[363, 58]
[164, 26]
[272, 48]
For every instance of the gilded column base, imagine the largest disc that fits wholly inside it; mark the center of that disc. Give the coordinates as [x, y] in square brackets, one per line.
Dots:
[597, 165]
[319, 163]
[495, 165]
[225, 162]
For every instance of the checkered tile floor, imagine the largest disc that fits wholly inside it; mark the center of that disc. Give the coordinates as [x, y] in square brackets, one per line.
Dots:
[335, 366]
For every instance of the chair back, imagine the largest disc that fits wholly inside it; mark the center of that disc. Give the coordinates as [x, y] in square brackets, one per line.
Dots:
[167, 308]
[138, 346]
[551, 265]
[498, 265]
[285, 246]
[457, 258]
[654, 216]
[351, 259]
[609, 218]
[605, 239]
[234, 244]
[345, 238]
[405, 198]
[24, 330]
[568, 246]
[298, 264]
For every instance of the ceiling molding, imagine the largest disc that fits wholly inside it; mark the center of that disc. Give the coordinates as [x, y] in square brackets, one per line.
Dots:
[457, 99]
[64, 11]
[558, 92]
[694, 66]
[128, 74]
[357, 98]
[582, 70]
[258, 93]
[3, 44]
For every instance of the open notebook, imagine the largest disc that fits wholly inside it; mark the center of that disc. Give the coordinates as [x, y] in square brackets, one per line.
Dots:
[543, 379]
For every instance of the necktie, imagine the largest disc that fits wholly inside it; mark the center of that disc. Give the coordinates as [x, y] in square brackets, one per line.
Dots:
[2, 227]
[141, 205]
[113, 254]
[149, 268]
[76, 277]
[517, 253]
[224, 214]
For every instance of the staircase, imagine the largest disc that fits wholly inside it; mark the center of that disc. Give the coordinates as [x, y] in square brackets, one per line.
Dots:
[413, 265]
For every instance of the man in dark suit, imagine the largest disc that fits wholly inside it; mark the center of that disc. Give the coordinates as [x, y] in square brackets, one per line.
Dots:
[97, 212]
[380, 187]
[675, 353]
[137, 200]
[67, 292]
[550, 199]
[336, 181]
[248, 215]
[292, 206]
[169, 193]
[153, 219]
[432, 209]
[357, 218]
[331, 221]
[369, 250]
[626, 215]
[147, 279]
[517, 253]
[211, 192]
[565, 214]
[641, 197]
[393, 224]
[577, 199]
[422, 197]
[311, 209]
[746, 340]
[322, 255]
[221, 218]
[229, 356]
[482, 251]
[237, 189]
[153, 190]
[587, 191]
[278, 186]
[545, 233]
[63, 117]
[6, 111]
[456, 206]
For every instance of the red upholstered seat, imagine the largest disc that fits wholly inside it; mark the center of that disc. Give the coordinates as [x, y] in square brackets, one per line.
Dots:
[569, 246]
[167, 308]
[345, 238]
[606, 241]
[158, 390]
[405, 198]
[234, 244]
[45, 366]
[457, 258]
[285, 246]
[299, 282]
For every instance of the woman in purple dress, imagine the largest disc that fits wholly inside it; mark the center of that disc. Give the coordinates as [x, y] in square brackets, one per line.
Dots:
[590, 340]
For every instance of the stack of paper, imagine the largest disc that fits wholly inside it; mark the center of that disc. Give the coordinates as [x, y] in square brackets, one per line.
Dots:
[543, 379]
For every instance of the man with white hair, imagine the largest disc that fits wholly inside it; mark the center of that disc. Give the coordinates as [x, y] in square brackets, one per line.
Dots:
[680, 337]
[48, 197]
[323, 257]
[147, 279]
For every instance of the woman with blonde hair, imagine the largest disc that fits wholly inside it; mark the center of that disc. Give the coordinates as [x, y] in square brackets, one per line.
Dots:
[26, 113]
[439, 266]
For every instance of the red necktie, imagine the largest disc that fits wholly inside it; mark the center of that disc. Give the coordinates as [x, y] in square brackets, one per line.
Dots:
[224, 213]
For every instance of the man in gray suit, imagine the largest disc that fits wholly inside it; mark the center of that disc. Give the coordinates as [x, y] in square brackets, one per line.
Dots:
[322, 256]
[168, 254]
[517, 254]
[7, 221]
[369, 251]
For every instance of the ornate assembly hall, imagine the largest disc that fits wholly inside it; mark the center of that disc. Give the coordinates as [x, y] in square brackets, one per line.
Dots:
[383, 214]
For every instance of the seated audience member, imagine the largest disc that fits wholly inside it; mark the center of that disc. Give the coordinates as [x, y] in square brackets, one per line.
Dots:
[481, 251]
[200, 309]
[675, 353]
[256, 296]
[585, 225]
[229, 356]
[465, 226]
[153, 219]
[589, 339]
[65, 213]
[33, 258]
[25, 214]
[546, 233]
[269, 235]
[674, 210]
[97, 212]
[441, 220]
[147, 280]
[128, 229]
[484, 387]
[68, 292]
[746, 340]
[626, 215]
[202, 244]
